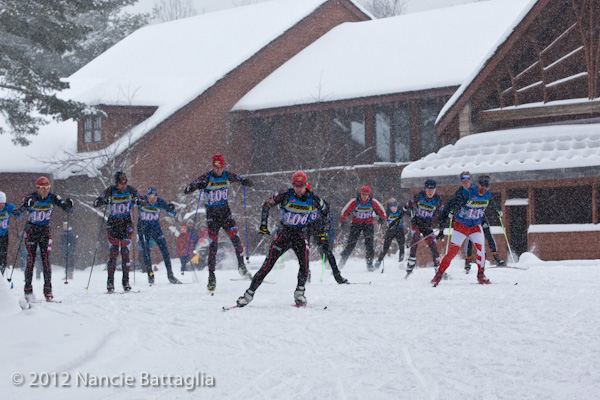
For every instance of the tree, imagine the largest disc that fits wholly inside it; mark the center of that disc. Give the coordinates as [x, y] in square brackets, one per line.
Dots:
[385, 8]
[32, 33]
[171, 10]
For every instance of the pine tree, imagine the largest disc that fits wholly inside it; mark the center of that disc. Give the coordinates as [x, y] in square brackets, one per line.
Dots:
[32, 34]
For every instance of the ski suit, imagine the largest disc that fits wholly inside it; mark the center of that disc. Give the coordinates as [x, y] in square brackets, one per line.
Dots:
[148, 228]
[424, 209]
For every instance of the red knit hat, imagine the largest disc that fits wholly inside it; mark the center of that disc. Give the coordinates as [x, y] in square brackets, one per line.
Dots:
[42, 181]
[218, 161]
[308, 187]
[183, 229]
[365, 190]
[299, 179]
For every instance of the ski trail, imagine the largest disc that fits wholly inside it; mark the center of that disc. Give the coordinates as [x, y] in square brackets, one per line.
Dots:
[89, 355]
[422, 381]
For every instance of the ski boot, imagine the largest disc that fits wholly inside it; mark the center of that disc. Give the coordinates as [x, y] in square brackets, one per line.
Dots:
[243, 271]
[212, 282]
[377, 264]
[151, 278]
[339, 278]
[410, 266]
[110, 284]
[125, 282]
[497, 259]
[467, 265]
[172, 278]
[244, 300]
[29, 297]
[299, 296]
[481, 278]
[48, 293]
[437, 278]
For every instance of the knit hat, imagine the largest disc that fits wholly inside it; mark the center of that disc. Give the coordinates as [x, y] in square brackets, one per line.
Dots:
[365, 190]
[218, 161]
[183, 229]
[299, 179]
[42, 181]
[2, 197]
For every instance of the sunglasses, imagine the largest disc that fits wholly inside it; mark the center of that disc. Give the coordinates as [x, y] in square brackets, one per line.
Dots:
[392, 204]
[464, 178]
[43, 187]
[484, 182]
[152, 196]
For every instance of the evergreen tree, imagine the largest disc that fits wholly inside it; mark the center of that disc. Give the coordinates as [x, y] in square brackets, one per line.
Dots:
[33, 34]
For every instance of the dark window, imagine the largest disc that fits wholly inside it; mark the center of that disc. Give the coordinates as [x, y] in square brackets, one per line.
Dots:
[268, 144]
[428, 112]
[565, 205]
[383, 125]
[92, 130]
[401, 129]
[518, 193]
[347, 130]
[310, 148]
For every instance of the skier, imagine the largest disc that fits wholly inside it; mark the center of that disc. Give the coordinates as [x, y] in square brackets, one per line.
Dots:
[296, 206]
[362, 209]
[215, 184]
[465, 181]
[424, 206]
[471, 204]
[6, 211]
[395, 231]
[148, 228]
[319, 228]
[68, 245]
[39, 206]
[120, 199]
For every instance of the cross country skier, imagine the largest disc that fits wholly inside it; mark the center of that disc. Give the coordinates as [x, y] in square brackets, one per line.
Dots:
[6, 211]
[471, 204]
[465, 181]
[296, 206]
[149, 229]
[215, 184]
[424, 206]
[319, 228]
[395, 230]
[362, 209]
[39, 206]
[120, 199]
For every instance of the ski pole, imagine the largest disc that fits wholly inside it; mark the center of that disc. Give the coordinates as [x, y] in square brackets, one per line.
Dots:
[190, 241]
[258, 245]
[67, 260]
[96, 249]
[17, 256]
[449, 234]
[246, 222]
[382, 261]
[337, 238]
[506, 237]
[323, 267]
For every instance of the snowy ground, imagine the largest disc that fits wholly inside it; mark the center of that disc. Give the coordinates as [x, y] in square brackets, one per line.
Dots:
[532, 334]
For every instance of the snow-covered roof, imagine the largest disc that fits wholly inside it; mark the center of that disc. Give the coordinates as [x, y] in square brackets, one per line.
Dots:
[411, 52]
[484, 60]
[165, 65]
[533, 153]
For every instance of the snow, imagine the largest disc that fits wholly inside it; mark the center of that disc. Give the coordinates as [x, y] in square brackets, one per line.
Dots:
[411, 52]
[523, 149]
[531, 334]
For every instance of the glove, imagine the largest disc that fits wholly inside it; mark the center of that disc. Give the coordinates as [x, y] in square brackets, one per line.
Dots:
[440, 236]
[500, 214]
[322, 237]
[69, 202]
[105, 200]
[340, 279]
[190, 188]
[16, 212]
[380, 221]
[171, 207]
[246, 182]
[264, 230]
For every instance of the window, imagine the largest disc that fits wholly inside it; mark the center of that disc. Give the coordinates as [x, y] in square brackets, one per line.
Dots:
[383, 125]
[268, 144]
[401, 129]
[347, 132]
[92, 130]
[565, 205]
[428, 112]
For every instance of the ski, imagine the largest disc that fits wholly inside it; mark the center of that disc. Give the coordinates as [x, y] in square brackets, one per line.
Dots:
[509, 266]
[249, 280]
[44, 301]
[359, 283]
[230, 308]
[305, 306]
[129, 291]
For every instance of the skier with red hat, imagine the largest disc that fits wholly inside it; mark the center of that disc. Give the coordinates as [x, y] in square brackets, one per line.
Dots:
[120, 199]
[215, 184]
[296, 207]
[362, 208]
[39, 206]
